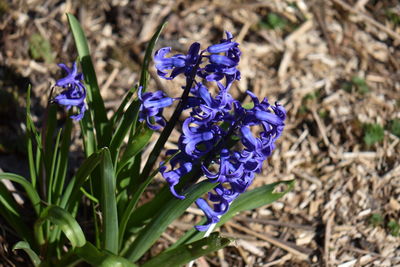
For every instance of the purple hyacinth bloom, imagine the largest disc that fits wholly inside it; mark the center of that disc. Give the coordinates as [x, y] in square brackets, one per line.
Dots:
[221, 66]
[151, 108]
[178, 63]
[217, 138]
[73, 77]
[74, 93]
[224, 46]
[173, 176]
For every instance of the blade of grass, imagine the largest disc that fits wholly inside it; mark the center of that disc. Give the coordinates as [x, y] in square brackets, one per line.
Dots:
[10, 211]
[65, 221]
[120, 111]
[48, 135]
[30, 140]
[32, 194]
[72, 192]
[95, 101]
[108, 204]
[61, 171]
[27, 248]
[133, 202]
[95, 257]
[136, 144]
[186, 253]
[144, 76]
[247, 201]
[127, 119]
[52, 169]
[169, 212]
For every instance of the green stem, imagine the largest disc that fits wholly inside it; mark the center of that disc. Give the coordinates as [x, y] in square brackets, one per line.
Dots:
[170, 125]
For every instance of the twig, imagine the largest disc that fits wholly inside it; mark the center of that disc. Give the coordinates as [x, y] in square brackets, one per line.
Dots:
[288, 246]
[276, 223]
[321, 127]
[328, 231]
[367, 19]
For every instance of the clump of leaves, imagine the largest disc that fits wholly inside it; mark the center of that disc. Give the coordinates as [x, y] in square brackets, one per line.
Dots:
[393, 16]
[273, 21]
[323, 113]
[376, 219]
[356, 84]
[395, 127]
[40, 48]
[373, 133]
[394, 228]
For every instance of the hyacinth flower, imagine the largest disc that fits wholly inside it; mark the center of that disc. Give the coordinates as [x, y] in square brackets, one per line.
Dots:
[218, 136]
[152, 105]
[74, 93]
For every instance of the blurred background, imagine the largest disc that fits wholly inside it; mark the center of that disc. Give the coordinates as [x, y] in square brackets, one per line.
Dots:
[333, 64]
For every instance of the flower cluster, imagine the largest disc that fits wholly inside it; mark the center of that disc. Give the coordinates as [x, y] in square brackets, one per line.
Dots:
[74, 93]
[218, 133]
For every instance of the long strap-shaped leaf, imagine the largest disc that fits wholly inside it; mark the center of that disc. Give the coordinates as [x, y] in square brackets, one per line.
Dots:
[61, 170]
[10, 211]
[32, 194]
[253, 199]
[171, 211]
[65, 221]
[108, 204]
[27, 248]
[30, 139]
[186, 253]
[98, 258]
[73, 192]
[95, 101]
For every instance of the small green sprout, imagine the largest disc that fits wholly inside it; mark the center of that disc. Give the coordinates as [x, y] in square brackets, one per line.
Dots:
[373, 133]
[395, 127]
[394, 228]
[376, 219]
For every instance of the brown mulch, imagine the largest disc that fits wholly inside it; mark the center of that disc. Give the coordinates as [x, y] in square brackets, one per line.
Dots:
[334, 65]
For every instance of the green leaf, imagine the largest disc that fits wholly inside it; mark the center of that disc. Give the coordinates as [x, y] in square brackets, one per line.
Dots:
[72, 192]
[120, 111]
[40, 48]
[65, 221]
[273, 21]
[30, 139]
[61, 171]
[186, 253]
[373, 133]
[138, 142]
[394, 227]
[256, 198]
[95, 257]
[108, 204]
[169, 212]
[48, 132]
[32, 194]
[376, 219]
[360, 84]
[53, 169]
[122, 129]
[247, 201]
[395, 127]
[144, 76]
[27, 248]
[95, 101]
[88, 136]
[135, 199]
[10, 211]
